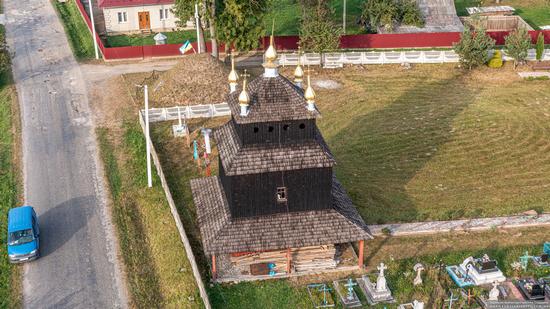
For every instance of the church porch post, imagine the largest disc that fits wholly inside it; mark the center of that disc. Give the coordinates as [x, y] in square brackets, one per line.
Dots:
[361, 249]
[214, 271]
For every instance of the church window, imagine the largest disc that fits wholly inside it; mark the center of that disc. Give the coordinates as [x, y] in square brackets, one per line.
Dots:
[281, 195]
[256, 129]
[302, 126]
[285, 127]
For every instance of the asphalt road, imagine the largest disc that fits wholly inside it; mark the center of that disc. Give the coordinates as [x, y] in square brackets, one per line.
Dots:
[78, 267]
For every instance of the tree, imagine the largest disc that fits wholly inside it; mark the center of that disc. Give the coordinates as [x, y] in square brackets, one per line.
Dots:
[317, 31]
[473, 47]
[517, 44]
[386, 13]
[185, 10]
[540, 46]
[240, 22]
[4, 56]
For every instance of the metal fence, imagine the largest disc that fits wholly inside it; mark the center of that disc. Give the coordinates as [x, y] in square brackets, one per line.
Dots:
[193, 111]
[384, 57]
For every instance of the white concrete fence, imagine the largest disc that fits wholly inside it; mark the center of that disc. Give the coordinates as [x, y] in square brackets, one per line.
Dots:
[188, 112]
[385, 57]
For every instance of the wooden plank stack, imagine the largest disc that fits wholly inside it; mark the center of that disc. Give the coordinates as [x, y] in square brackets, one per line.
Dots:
[303, 259]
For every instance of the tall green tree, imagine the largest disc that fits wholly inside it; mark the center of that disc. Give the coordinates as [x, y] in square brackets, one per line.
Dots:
[474, 47]
[518, 43]
[317, 31]
[185, 10]
[240, 22]
[540, 46]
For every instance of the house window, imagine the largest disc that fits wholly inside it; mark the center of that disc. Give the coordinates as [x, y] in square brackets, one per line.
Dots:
[163, 14]
[122, 17]
[281, 195]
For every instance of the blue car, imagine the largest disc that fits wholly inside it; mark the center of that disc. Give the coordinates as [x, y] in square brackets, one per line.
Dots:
[23, 235]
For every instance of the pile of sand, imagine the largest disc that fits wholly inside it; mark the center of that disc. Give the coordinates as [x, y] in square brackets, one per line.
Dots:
[196, 79]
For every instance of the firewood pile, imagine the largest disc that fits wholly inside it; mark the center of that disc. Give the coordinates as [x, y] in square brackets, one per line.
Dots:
[303, 259]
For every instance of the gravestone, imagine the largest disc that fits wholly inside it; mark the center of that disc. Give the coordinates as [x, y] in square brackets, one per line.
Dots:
[531, 289]
[379, 292]
[494, 293]
[418, 268]
[347, 294]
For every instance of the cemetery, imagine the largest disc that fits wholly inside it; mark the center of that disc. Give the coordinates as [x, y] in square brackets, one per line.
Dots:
[400, 282]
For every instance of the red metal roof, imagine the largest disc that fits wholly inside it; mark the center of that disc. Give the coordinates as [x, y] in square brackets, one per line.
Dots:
[126, 3]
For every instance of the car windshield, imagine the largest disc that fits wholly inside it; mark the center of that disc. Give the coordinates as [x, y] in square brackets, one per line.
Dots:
[20, 237]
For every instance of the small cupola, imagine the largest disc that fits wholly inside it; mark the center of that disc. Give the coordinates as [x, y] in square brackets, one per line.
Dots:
[310, 95]
[270, 64]
[298, 72]
[233, 77]
[244, 98]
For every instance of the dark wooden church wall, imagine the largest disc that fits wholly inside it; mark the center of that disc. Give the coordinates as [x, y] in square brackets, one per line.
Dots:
[255, 195]
[273, 132]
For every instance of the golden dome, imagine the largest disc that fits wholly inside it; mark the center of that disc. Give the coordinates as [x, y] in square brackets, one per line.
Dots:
[244, 99]
[233, 76]
[271, 54]
[298, 73]
[309, 94]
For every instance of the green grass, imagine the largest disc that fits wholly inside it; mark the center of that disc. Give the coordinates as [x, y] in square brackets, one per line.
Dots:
[534, 12]
[437, 143]
[9, 177]
[157, 270]
[176, 37]
[287, 14]
[76, 29]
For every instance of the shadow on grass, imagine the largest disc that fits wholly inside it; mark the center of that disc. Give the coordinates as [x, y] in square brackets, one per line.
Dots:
[379, 153]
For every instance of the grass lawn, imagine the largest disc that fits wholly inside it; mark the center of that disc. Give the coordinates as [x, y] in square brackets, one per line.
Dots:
[534, 12]
[287, 15]
[76, 30]
[176, 37]
[438, 143]
[157, 270]
[9, 181]
[383, 126]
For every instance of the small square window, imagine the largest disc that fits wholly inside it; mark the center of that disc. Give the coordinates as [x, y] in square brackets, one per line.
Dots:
[281, 195]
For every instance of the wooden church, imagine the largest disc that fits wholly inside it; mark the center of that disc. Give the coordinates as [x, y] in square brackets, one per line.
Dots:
[276, 209]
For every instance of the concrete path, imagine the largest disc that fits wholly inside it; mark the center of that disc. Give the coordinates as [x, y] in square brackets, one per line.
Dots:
[432, 227]
[533, 74]
[99, 72]
[62, 176]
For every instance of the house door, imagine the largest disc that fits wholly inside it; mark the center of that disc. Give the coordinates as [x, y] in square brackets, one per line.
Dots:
[144, 21]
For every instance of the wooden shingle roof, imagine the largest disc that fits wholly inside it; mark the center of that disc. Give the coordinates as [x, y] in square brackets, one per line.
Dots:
[221, 234]
[240, 159]
[271, 99]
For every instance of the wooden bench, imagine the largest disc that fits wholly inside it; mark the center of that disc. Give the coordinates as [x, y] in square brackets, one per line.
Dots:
[541, 65]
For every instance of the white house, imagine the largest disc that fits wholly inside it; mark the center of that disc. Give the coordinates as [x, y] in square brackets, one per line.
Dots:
[131, 16]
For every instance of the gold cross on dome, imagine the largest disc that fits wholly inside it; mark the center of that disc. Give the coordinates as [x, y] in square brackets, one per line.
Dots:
[245, 74]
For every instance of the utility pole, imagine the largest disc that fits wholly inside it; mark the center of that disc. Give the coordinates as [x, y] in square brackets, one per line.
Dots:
[147, 138]
[344, 18]
[93, 28]
[197, 26]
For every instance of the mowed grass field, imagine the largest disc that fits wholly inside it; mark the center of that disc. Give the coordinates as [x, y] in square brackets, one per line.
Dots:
[436, 142]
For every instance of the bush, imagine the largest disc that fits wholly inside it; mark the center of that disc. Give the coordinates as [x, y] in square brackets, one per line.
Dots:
[317, 32]
[385, 13]
[540, 46]
[496, 61]
[518, 43]
[473, 47]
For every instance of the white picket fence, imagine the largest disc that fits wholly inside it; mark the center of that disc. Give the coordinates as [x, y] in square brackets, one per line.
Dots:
[384, 57]
[192, 111]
